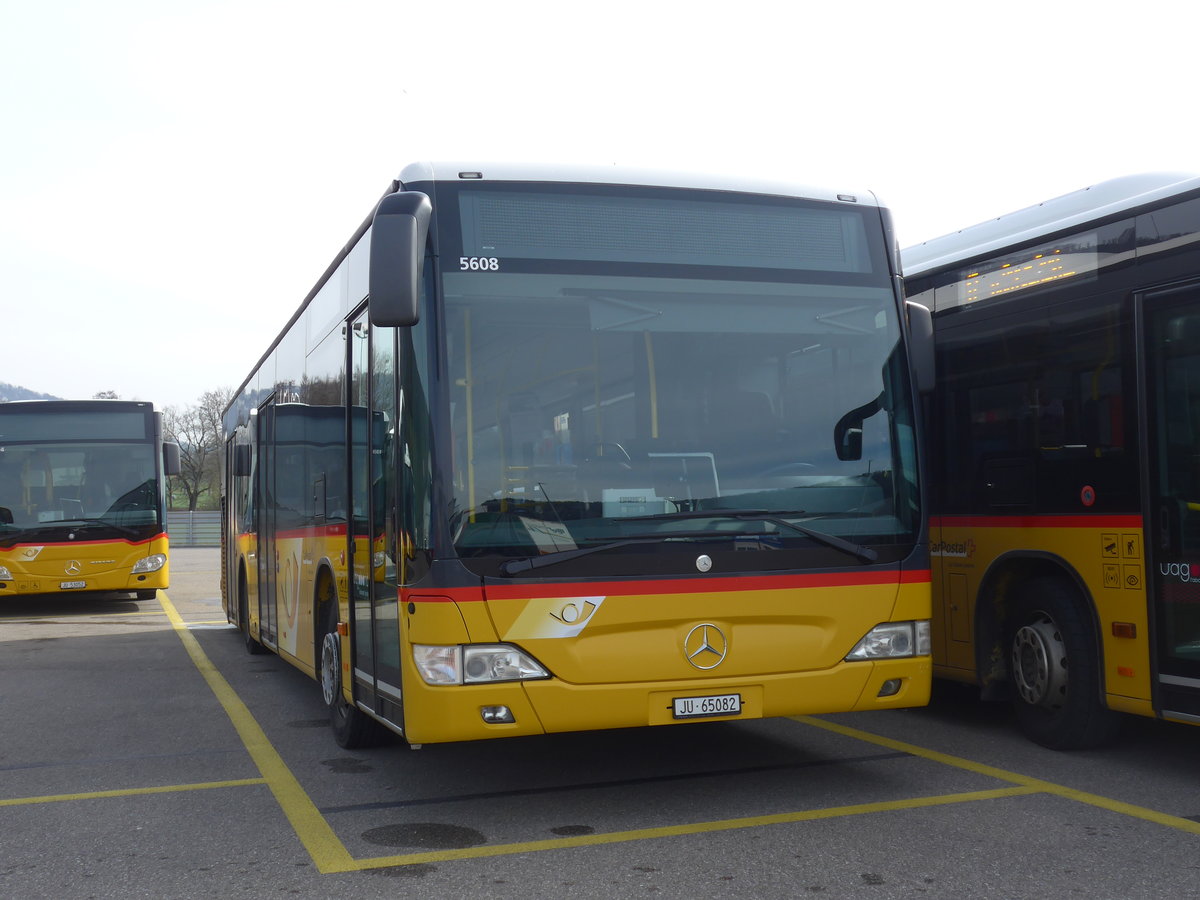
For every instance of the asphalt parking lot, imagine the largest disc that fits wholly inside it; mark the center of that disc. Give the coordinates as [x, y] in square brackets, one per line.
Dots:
[146, 754]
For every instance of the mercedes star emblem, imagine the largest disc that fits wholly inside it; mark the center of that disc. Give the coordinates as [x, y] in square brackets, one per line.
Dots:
[705, 646]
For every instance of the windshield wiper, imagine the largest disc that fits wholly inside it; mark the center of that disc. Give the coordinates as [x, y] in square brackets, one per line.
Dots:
[7, 539]
[514, 566]
[103, 523]
[863, 554]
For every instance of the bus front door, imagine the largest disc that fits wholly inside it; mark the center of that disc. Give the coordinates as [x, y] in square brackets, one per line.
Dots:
[373, 591]
[268, 554]
[360, 511]
[1171, 370]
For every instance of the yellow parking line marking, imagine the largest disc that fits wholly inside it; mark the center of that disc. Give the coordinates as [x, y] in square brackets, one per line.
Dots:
[131, 792]
[327, 852]
[1046, 787]
[640, 834]
[330, 855]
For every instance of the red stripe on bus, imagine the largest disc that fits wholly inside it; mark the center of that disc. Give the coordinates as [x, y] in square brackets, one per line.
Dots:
[1049, 521]
[313, 531]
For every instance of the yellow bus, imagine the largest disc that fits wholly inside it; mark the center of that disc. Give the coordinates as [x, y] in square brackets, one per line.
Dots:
[556, 450]
[1064, 438]
[83, 498]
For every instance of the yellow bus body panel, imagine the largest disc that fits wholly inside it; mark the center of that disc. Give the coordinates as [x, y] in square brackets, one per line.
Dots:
[298, 558]
[101, 566]
[1106, 553]
[619, 660]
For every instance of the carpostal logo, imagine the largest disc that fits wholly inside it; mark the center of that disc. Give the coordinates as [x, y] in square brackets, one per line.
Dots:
[957, 549]
[1183, 572]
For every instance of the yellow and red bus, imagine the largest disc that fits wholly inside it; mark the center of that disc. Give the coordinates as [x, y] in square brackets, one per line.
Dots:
[1064, 438]
[553, 450]
[83, 498]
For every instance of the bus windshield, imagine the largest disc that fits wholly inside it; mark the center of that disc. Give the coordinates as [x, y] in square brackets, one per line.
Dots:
[739, 388]
[45, 487]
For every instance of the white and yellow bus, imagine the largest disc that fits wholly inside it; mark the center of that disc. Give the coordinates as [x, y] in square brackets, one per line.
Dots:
[561, 450]
[83, 498]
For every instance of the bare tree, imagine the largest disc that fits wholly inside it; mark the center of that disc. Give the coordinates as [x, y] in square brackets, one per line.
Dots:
[106, 395]
[197, 430]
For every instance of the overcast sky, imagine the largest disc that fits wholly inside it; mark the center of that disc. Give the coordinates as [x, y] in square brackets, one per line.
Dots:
[176, 174]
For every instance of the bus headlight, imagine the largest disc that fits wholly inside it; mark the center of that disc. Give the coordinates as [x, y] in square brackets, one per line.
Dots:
[893, 640]
[499, 663]
[150, 563]
[5, 575]
[475, 664]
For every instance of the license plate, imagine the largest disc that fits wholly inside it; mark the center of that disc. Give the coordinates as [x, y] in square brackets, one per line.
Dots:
[698, 707]
[68, 585]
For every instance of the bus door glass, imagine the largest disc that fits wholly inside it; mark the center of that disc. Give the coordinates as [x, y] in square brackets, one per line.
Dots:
[358, 409]
[384, 553]
[268, 517]
[1172, 369]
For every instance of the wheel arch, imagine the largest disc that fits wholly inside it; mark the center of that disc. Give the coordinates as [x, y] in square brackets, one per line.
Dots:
[324, 575]
[1006, 575]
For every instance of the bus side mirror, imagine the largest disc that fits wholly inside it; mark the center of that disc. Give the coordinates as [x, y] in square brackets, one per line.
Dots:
[398, 233]
[848, 432]
[920, 332]
[848, 438]
[171, 464]
[241, 459]
[6, 516]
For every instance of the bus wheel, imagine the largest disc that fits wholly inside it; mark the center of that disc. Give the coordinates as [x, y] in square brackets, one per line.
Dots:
[352, 728]
[253, 647]
[1055, 670]
[147, 595]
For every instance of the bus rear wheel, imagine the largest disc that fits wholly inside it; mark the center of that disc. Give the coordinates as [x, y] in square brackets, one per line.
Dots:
[352, 728]
[1056, 671]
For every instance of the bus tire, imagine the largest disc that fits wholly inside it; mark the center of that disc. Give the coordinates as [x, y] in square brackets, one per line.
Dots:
[352, 728]
[1055, 669]
[253, 647]
[147, 595]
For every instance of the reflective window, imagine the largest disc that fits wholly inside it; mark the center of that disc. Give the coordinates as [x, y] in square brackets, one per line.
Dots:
[1169, 229]
[110, 483]
[591, 404]
[1027, 419]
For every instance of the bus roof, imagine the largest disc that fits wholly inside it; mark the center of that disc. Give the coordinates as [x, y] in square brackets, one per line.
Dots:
[57, 404]
[552, 173]
[580, 174]
[1071, 210]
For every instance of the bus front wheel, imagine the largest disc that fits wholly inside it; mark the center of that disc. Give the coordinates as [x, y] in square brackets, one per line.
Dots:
[352, 728]
[1055, 670]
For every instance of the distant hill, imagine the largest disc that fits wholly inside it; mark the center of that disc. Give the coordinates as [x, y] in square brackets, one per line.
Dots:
[15, 392]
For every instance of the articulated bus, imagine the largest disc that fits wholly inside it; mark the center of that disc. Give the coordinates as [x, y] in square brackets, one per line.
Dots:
[83, 498]
[1064, 444]
[558, 450]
